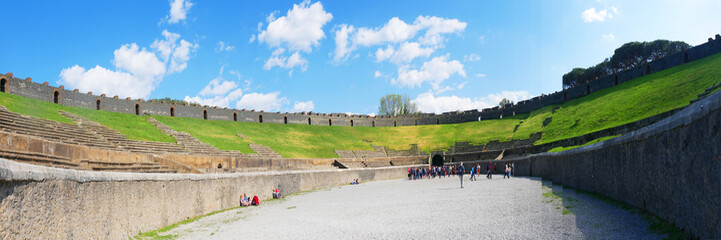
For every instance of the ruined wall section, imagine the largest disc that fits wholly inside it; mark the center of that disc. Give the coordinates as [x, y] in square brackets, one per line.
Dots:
[45, 92]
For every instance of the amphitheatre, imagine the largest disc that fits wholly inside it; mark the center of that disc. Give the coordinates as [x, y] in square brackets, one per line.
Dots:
[83, 165]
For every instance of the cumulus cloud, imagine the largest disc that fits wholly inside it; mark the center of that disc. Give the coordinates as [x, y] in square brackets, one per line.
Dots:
[299, 31]
[429, 103]
[178, 11]
[262, 101]
[408, 51]
[303, 106]
[434, 72]
[591, 15]
[137, 70]
[396, 31]
[224, 47]
[481, 75]
[377, 74]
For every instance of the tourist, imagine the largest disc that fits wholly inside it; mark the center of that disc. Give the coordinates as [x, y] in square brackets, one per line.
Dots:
[244, 201]
[513, 168]
[473, 174]
[276, 194]
[460, 170]
[488, 171]
[506, 172]
[256, 201]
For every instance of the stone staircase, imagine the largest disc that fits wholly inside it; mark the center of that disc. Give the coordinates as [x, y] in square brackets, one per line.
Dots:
[190, 143]
[144, 167]
[120, 141]
[264, 152]
[38, 159]
[51, 130]
[707, 92]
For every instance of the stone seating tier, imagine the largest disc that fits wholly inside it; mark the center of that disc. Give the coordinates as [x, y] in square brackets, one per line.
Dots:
[37, 158]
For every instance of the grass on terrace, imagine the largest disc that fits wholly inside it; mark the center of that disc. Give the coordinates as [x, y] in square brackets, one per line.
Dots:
[134, 127]
[630, 101]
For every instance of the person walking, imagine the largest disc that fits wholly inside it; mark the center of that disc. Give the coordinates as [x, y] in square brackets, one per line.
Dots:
[488, 171]
[505, 173]
[460, 171]
[473, 174]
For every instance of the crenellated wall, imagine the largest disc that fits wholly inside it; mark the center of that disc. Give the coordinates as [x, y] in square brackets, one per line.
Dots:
[45, 92]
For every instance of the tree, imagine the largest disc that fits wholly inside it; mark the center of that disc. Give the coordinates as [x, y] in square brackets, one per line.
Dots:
[504, 102]
[396, 105]
[629, 55]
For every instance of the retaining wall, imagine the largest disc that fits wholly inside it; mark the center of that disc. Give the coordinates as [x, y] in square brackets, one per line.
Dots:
[50, 203]
[45, 92]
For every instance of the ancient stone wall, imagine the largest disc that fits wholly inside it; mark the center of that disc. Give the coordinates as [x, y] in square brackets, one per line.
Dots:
[51, 203]
[46, 92]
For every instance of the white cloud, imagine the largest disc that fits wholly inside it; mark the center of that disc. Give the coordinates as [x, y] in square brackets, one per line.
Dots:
[396, 31]
[259, 101]
[299, 30]
[216, 87]
[377, 74]
[303, 106]
[427, 102]
[591, 15]
[277, 60]
[218, 92]
[482, 38]
[178, 11]
[481, 75]
[408, 51]
[471, 57]
[434, 72]
[224, 47]
[384, 54]
[609, 37]
[137, 70]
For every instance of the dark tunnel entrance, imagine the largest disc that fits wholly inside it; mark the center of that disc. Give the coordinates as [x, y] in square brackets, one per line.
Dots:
[437, 160]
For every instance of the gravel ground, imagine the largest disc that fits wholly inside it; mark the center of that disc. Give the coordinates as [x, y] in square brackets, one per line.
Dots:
[519, 208]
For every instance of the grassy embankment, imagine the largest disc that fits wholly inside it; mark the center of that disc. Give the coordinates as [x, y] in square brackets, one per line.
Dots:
[628, 102]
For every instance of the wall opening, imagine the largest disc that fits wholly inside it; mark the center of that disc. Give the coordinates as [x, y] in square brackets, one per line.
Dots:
[416, 122]
[56, 96]
[260, 118]
[351, 122]
[309, 121]
[437, 160]
[373, 123]
[330, 122]
[3, 85]
[205, 114]
[220, 165]
[588, 88]
[394, 123]
[98, 104]
[438, 121]
[648, 69]
[685, 57]
[615, 79]
[172, 111]
[235, 116]
[565, 95]
[285, 119]
[137, 109]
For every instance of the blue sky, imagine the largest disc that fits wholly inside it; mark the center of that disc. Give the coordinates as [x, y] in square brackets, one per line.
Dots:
[331, 56]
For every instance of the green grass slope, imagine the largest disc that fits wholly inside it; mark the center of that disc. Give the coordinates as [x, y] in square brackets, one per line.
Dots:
[134, 127]
[630, 101]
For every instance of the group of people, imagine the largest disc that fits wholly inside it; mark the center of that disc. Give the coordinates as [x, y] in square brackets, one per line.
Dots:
[246, 201]
[447, 171]
[431, 172]
[255, 201]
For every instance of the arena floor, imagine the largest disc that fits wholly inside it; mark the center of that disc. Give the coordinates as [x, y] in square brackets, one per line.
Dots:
[519, 208]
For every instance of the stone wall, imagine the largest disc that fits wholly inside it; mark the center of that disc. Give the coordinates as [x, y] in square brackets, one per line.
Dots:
[49, 203]
[45, 92]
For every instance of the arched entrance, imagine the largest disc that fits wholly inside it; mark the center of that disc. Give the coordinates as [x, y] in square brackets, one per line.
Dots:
[260, 118]
[330, 122]
[416, 122]
[3, 83]
[205, 114]
[172, 111]
[235, 116]
[373, 123]
[615, 79]
[285, 119]
[309, 121]
[437, 160]
[394, 123]
[685, 57]
[351, 122]
[56, 96]
[98, 104]
[137, 109]
[588, 88]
